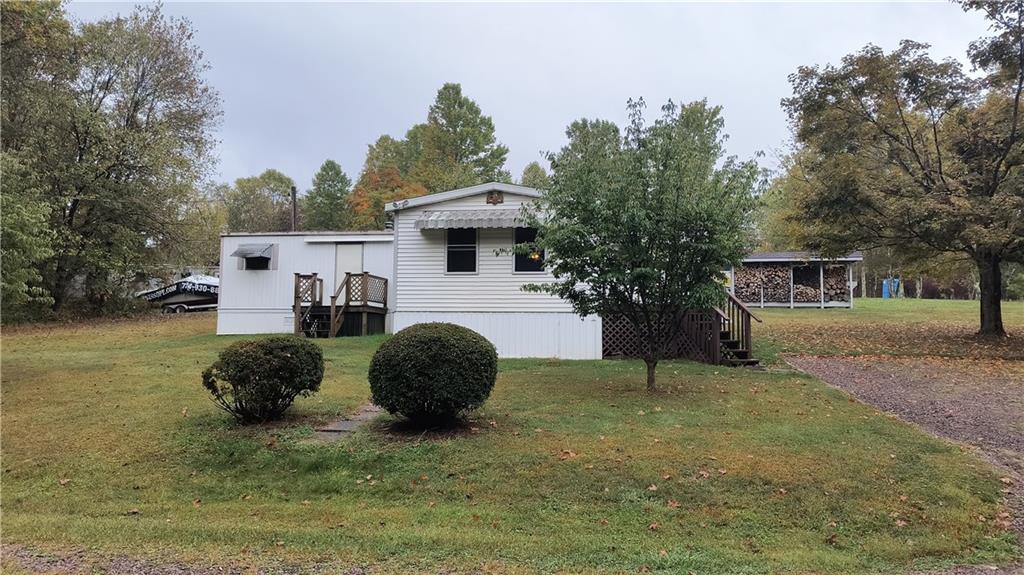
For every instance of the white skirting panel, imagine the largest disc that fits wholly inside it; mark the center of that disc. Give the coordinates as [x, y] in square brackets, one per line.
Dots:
[251, 321]
[522, 334]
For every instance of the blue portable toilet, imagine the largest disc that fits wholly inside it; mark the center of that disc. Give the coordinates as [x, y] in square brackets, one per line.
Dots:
[890, 288]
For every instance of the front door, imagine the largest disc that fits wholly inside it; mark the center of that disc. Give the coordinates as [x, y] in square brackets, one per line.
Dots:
[348, 258]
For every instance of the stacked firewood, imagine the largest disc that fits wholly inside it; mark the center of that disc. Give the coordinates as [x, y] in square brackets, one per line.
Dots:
[836, 286]
[773, 278]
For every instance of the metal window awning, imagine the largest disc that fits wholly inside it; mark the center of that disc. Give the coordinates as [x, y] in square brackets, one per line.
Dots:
[492, 218]
[253, 251]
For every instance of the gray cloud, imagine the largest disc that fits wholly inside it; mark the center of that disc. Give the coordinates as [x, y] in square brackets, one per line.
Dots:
[306, 82]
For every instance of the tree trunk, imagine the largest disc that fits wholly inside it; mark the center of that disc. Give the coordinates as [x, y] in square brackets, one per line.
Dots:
[991, 280]
[863, 280]
[652, 364]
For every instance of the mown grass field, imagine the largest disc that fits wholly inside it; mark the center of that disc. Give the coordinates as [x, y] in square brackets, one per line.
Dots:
[875, 326]
[110, 444]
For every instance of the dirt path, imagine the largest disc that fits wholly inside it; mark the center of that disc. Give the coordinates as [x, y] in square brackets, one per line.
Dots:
[977, 402]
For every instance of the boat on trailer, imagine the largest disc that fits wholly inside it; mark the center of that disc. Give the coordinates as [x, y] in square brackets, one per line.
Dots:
[193, 293]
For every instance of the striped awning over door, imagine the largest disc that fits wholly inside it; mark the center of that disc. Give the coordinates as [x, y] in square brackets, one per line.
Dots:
[492, 218]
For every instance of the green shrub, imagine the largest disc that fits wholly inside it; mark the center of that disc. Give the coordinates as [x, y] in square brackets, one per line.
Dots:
[432, 372]
[257, 380]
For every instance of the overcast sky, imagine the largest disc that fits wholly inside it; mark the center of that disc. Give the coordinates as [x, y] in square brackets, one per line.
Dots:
[304, 82]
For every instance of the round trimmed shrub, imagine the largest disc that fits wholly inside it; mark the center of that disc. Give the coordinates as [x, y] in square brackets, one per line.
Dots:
[433, 372]
[257, 380]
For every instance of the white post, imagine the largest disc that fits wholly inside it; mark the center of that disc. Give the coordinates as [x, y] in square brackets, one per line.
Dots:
[790, 286]
[821, 281]
[849, 282]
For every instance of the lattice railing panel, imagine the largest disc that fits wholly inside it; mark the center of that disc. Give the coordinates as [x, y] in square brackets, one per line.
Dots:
[696, 339]
[377, 289]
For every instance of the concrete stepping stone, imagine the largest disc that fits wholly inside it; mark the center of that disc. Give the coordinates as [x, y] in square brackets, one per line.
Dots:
[335, 430]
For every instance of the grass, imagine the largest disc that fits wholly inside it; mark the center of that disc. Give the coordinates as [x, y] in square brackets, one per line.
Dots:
[570, 467]
[908, 327]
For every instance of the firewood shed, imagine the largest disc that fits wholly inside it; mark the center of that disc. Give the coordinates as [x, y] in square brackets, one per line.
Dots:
[794, 279]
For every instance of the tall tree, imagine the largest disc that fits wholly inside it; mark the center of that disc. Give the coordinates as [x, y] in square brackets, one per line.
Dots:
[121, 128]
[35, 59]
[259, 203]
[374, 191]
[534, 176]
[325, 206]
[903, 150]
[459, 146]
[642, 224]
[26, 241]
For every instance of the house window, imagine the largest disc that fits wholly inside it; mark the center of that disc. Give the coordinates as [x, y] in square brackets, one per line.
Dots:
[461, 247]
[257, 263]
[532, 261]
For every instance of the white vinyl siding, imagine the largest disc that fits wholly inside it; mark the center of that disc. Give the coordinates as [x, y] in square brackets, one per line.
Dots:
[423, 284]
[261, 301]
[519, 334]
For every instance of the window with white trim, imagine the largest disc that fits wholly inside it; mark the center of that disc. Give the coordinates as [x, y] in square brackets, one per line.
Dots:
[461, 250]
[532, 261]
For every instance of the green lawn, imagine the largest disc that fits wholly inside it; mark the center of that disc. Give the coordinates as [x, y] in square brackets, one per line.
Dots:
[887, 327]
[570, 467]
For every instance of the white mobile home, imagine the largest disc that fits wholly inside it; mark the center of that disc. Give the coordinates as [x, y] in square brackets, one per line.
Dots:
[449, 259]
[454, 263]
[258, 273]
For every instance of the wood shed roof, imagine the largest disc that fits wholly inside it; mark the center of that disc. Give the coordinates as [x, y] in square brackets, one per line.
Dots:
[781, 257]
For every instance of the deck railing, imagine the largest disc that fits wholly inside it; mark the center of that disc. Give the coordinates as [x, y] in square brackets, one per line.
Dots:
[309, 292]
[735, 317]
[365, 289]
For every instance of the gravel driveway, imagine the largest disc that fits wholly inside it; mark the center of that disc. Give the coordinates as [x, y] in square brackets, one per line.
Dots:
[977, 402]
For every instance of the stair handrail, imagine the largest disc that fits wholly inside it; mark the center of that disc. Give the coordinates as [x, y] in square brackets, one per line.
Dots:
[338, 317]
[737, 317]
[741, 305]
[314, 290]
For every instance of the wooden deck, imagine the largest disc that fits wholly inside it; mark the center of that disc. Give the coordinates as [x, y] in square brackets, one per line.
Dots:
[718, 336]
[357, 307]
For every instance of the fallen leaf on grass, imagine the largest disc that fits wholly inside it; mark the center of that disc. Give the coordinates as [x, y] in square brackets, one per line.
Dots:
[567, 454]
[652, 487]
[673, 504]
[654, 526]
[64, 482]
[197, 502]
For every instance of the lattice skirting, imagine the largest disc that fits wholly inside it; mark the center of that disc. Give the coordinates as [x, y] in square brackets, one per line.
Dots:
[696, 339]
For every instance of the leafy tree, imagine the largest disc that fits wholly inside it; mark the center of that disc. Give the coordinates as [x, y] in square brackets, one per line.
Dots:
[259, 203]
[26, 240]
[374, 191]
[35, 58]
[642, 224]
[456, 147]
[119, 118]
[203, 217]
[388, 152]
[534, 176]
[325, 207]
[459, 146]
[901, 150]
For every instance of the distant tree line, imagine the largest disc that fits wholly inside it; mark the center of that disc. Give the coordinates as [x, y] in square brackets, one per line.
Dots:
[913, 159]
[455, 147]
[106, 151]
[106, 135]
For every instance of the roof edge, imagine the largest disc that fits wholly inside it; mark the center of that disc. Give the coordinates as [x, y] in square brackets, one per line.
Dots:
[311, 234]
[429, 199]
